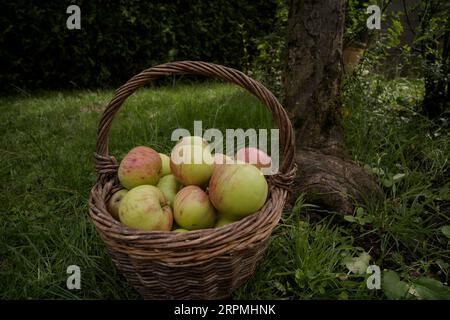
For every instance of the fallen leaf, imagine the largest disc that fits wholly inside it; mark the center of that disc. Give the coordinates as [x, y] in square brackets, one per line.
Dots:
[393, 288]
[446, 231]
[430, 289]
[358, 265]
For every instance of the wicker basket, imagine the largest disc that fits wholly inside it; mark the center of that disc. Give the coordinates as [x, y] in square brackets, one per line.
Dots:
[202, 264]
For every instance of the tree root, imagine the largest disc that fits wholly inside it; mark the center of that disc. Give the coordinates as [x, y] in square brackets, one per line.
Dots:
[333, 182]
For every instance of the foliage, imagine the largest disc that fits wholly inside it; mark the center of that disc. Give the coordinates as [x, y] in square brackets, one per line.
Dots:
[427, 55]
[121, 38]
[409, 155]
[356, 18]
[421, 288]
[432, 41]
[306, 260]
[268, 63]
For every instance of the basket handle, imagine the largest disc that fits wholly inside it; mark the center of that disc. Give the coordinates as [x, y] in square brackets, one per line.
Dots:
[106, 164]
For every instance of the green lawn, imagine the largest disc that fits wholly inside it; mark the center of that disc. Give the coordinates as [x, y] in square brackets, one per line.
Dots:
[46, 150]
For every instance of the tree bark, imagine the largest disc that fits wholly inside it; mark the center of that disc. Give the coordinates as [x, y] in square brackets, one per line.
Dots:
[326, 174]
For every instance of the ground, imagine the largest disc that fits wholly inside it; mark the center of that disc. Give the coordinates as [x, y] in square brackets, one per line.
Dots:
[46, 153]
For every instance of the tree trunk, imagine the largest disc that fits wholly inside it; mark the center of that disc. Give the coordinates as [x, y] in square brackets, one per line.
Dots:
[326, 174]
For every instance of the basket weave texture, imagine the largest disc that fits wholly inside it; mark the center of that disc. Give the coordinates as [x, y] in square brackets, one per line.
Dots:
[202, 264]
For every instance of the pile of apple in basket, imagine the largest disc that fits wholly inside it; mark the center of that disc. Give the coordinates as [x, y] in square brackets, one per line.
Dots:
[190, 190]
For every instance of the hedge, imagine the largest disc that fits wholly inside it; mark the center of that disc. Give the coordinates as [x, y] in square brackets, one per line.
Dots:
[120, 38]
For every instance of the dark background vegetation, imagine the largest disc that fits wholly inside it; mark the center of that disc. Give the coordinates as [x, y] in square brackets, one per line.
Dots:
[120, 38]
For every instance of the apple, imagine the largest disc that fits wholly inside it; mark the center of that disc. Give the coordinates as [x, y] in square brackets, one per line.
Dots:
[220, 158]
[139, 167]
[191, 140]
[223, 221]
[180, 230]
[237, 190]
[191, 161]
[145, 207]
[169, 187]
[165, 168]
[254, 156]
[114, 202]
[192, 209]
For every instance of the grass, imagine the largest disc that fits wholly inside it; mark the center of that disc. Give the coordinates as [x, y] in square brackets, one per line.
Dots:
[410, 156]
[46, 151]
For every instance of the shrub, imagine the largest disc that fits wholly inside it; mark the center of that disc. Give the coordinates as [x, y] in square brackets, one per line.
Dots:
[120, 38]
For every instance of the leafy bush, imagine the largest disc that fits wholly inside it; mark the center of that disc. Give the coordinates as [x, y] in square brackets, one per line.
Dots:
[118, 39]
[269, 62]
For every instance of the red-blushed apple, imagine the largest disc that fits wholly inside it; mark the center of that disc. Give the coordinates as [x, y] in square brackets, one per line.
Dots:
[237, 190]
[192, 209]
[165, 165]
[191, 161]
[220, 158]
[254, 156]
[169, 186]
[113, 203]
[141, 166]
[145, 207]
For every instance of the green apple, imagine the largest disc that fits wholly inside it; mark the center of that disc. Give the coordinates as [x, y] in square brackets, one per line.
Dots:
[180, 230]
[114, 203]
[192, 209]
[222, 221]
[145, 207]
[191, 161]
[237, 190]
[140, 166]
[169, 186]
[165, 168]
